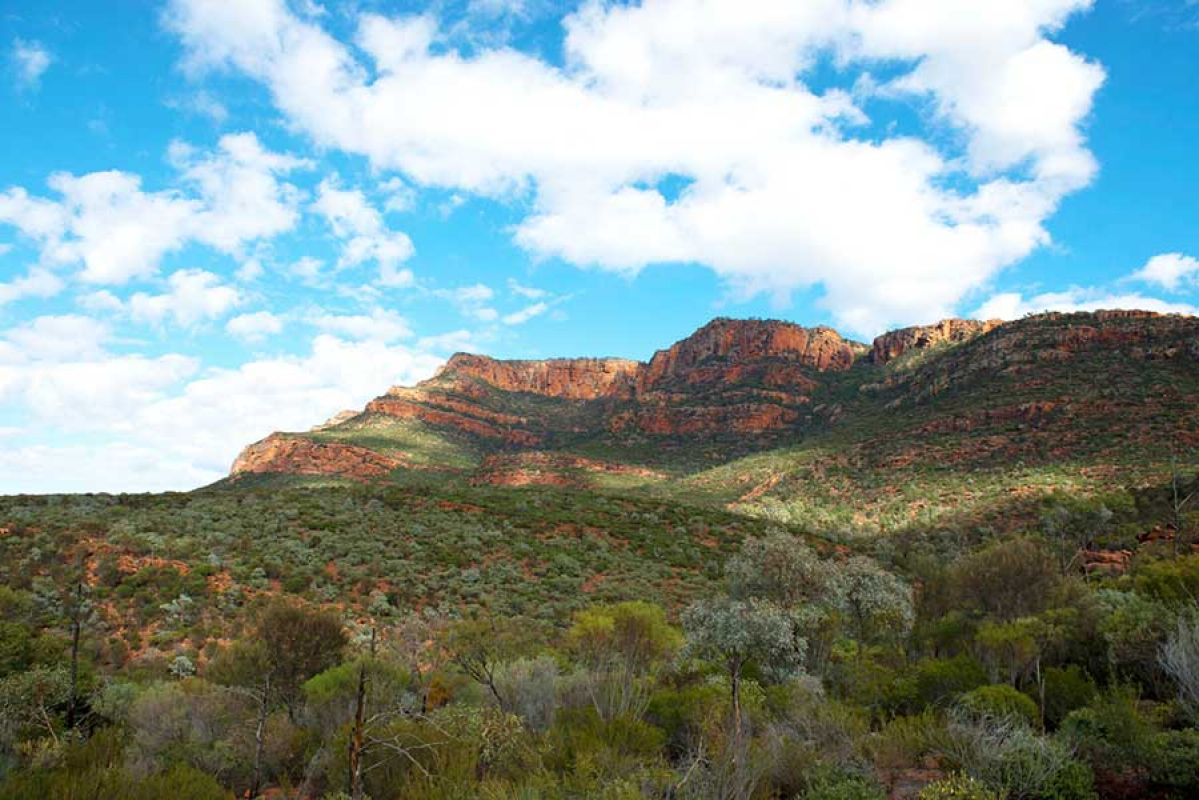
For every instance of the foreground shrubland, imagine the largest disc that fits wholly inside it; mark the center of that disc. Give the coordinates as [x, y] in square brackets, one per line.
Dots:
[999, 674]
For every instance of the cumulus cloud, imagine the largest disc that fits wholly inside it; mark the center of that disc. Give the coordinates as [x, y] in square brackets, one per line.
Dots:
[783, 186]
[1013, 305]
[192, 296]
[30, 61]
[381, 325]
[168, 411]
[1168, 270]
[116, 231]
[38, 282]
[254, 327]
[364, 234]
[471, 301]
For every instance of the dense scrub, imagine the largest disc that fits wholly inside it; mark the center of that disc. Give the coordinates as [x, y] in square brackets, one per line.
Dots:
[436, 643]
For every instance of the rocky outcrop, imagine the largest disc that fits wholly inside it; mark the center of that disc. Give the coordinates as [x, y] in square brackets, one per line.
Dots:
[892, 345]
[279, 453]
[565, 378]
[335, 420]
[738, 343]
[735, 386]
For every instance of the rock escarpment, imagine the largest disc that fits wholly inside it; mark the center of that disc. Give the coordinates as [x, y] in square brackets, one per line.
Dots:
[279, 453]
[735, 386]
[892, 345]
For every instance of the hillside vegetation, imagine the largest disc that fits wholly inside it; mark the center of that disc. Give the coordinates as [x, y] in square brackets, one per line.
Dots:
[769, 563]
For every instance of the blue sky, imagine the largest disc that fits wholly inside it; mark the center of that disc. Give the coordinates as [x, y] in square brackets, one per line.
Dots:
[221, 219]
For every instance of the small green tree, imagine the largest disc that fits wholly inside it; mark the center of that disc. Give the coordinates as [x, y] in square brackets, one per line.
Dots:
[782, 569]
[878, 605]
[737, 633]
[620, 646]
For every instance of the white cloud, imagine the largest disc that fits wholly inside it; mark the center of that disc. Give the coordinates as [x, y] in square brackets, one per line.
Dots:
[30, 61]
[529, 292]
[162, 423]
[106, 223]
[1013, 305]
[1168, 270]
[101, 301]
[203, 104]
[364, 234]
[254, 327]
[192, 296]
[308, 269]
[379, 326]
[471, 301]
[38, 282]
[52, 338]
[525, 314]
[453, 341]
[783, 187]
[250, 270]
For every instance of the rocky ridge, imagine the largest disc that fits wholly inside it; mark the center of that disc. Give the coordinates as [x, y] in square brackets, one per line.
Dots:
[736, 385]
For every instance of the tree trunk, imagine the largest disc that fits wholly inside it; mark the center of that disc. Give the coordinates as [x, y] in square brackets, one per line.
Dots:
[1041, 691]
[359, 733]
[735, 674]
[260, 735]
[76, 629]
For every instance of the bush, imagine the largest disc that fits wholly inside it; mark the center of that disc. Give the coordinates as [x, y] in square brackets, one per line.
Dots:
[1174, 581]
[1173, 759]
[1005, 753]
[957, 787]
[1000, 700]
[1110, 731]
[1066, 689]
[940, 681]
[831, 783]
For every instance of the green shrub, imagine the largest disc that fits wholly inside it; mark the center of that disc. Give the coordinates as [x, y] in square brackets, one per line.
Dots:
[1174, 581]
[1000, 700]
[1066, 688]
[832, 783]
[1111, 730]
[1173, 759]
[1073, 781]
[958, 787]
[940, 681]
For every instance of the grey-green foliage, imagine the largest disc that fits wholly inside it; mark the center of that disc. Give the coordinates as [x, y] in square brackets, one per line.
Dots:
[781, 569]
[877, 604]
[1005, 753]
[531, 687]
[28, 700]
[734, 633]
[1180, 659]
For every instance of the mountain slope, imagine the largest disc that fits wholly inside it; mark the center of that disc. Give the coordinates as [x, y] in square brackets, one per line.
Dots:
[925, 425]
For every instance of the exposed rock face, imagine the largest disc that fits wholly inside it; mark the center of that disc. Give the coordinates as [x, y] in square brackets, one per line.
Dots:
[729, 377]
[335, 420]
[739, 343]
[894, 344]
[298, 456]
[566, 378]
[735, 386]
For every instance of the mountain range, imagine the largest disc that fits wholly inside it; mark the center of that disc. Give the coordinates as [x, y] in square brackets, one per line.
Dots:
[924, 424]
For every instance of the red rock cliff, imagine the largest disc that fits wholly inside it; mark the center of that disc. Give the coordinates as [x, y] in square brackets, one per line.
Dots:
[895, 343]
[566, 378]
[747, 341]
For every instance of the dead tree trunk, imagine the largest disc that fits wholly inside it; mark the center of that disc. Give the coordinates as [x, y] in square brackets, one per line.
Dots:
[358, 735]
[260, 734]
